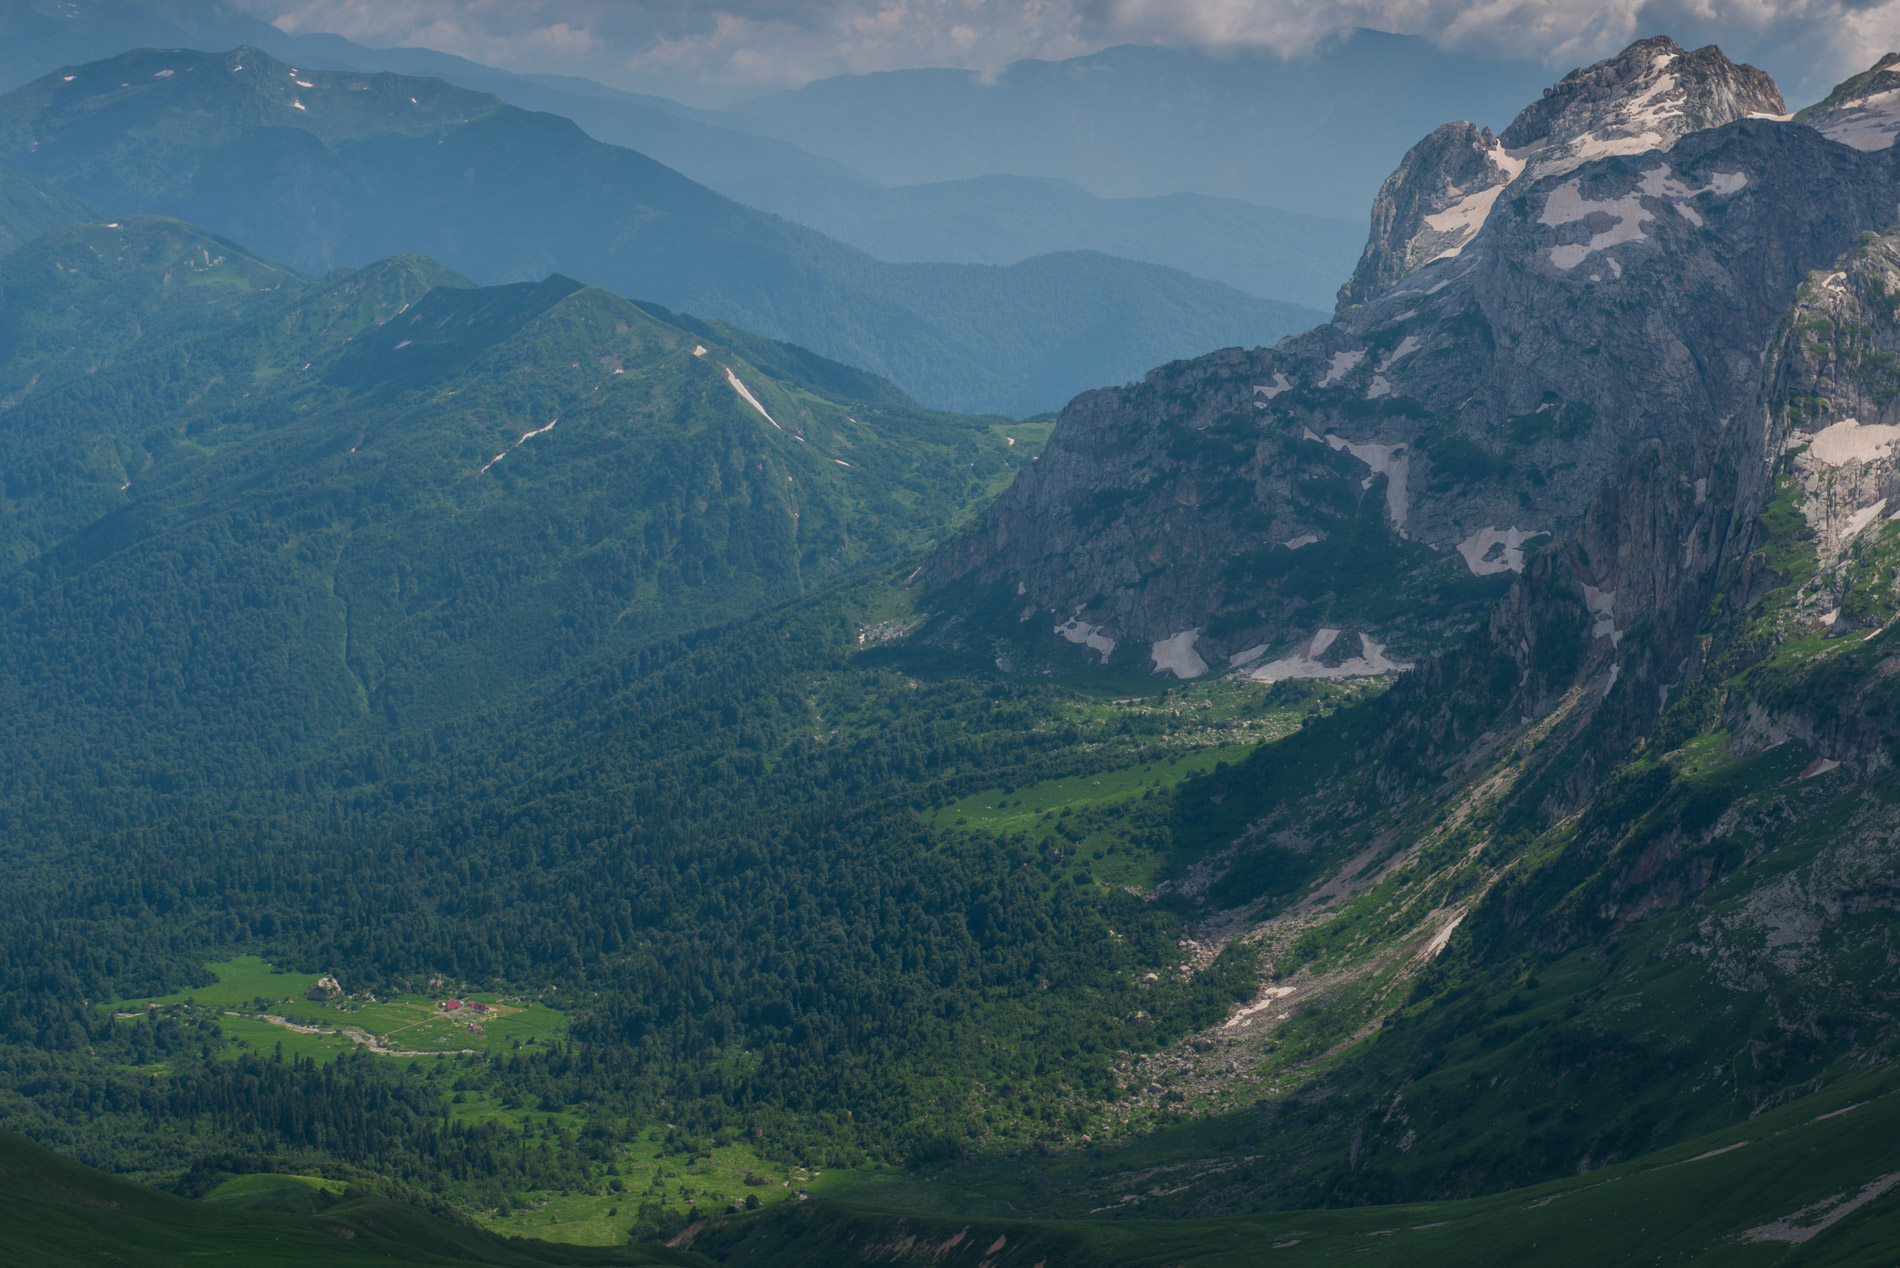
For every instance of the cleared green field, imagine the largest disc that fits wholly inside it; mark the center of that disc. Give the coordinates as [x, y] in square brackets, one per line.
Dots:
[268, 1192]
[263, 1008]
[1028, 809]
[1110, 826]
[710, 1182]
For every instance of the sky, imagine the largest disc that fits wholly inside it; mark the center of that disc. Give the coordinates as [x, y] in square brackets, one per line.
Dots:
[716, 51]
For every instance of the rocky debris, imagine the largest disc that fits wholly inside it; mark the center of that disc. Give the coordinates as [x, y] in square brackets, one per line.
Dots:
[1863, 112]
[1646, 98]
[327, 988]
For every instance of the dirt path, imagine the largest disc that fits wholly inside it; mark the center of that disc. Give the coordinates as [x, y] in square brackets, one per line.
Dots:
[354, 1034]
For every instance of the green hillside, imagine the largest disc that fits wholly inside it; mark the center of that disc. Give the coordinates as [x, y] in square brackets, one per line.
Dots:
[321, 168]
[60, 1213]
[391, 497]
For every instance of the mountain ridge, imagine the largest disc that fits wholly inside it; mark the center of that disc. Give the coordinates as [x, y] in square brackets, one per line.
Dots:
[361, 170]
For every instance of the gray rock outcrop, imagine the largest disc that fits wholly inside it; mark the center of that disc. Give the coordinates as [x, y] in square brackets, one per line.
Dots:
[1648, 97]
[1863, 112]
[1358, 497]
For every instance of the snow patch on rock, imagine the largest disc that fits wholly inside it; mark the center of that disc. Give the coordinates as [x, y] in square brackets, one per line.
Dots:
[1850, 440]
[751, 400]
[1270, 390]
[1495, 550]
[1407, 346]
[1394, 462]
[1343, 364]
[1175, 654]
[1090, 636]
[1371, 662]
[1861, 519]
[1567, 205]
[1602, 605]
[1871, 123]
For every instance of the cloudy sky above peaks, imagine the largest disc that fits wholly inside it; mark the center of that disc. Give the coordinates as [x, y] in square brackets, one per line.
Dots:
[719, 50]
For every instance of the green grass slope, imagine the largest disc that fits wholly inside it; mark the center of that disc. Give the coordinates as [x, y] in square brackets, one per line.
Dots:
[59, 1213]
[318, 168]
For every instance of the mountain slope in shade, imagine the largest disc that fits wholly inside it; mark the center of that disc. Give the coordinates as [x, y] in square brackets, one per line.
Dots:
[317, 168]
[59, 1212]
[1645, 98]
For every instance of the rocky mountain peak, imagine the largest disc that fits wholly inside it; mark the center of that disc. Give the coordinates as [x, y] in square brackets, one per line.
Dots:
[1647, 97]
[1355, 499]
[1863, 111]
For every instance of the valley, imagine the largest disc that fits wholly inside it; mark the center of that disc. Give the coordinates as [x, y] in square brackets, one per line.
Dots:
[517, 768]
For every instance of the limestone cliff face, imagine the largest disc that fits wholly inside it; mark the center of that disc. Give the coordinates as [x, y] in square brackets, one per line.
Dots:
[1431, 206]
[1828, 426]
[1359, 496]
[1648, 97]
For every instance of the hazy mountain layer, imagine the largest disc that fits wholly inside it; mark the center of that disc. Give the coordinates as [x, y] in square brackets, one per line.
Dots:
[356, 166]
[1002, 219]
[30, 207]
[1314, 134]
[1269, 254]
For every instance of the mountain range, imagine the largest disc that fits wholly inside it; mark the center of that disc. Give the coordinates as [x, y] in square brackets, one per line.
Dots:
[320, 168]
[1313, 134]
[514, 755]
[984, 196]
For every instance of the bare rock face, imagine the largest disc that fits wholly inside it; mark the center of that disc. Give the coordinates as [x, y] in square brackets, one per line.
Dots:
[327, 988]
[1864, 112]
[1646, 98]
[1830, 417]
[1431, 206]
[1358, 497]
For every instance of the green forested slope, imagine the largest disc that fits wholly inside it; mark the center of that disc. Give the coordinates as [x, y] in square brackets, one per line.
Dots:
[30, 207]
[377, 500]
[311, 609]
[318, 168]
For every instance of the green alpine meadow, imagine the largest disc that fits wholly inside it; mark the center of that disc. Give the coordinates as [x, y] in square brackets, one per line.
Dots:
[552, 713]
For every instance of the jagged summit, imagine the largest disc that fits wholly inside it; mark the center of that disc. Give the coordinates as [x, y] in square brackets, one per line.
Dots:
[1863, 111]
[1647, 97]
